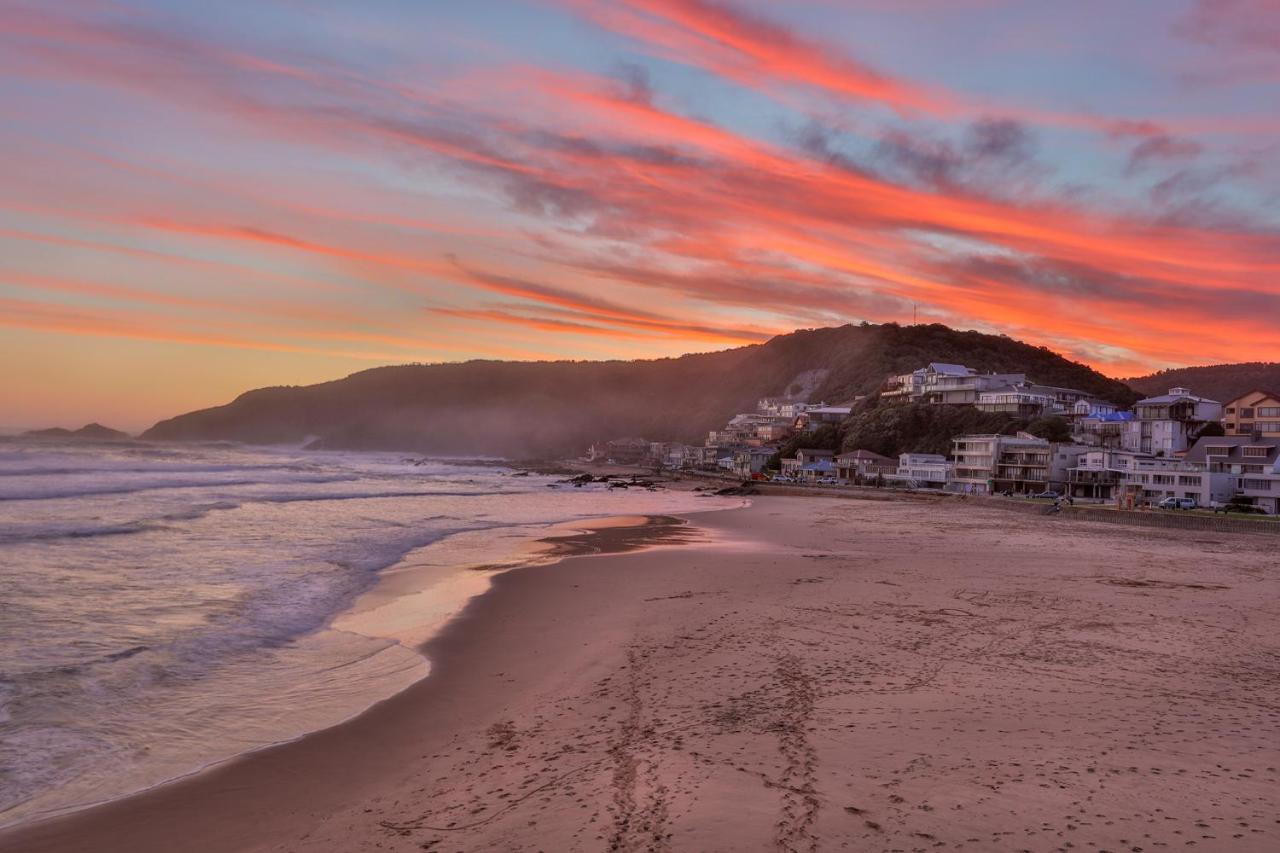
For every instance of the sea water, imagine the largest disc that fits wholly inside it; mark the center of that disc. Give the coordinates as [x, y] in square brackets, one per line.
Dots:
[164, 608]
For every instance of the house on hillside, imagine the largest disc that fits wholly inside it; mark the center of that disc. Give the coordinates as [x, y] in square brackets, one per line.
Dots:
[963, 389]
[1105, 429]
[1256, 412]
[1092, 407]
[1022, 401]
[859, 466]
[816, 416]
[1169, 423]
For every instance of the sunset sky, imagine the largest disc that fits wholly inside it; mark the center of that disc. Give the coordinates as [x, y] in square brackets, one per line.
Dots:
[203, 198]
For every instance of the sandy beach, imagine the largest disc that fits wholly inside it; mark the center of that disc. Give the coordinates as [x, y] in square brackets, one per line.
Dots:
[803, 674]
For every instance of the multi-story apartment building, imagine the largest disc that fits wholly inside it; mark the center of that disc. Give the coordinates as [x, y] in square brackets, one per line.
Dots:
[976, 458]
[1256, 412]
[1137, 479]
[1168, 424]
[1099, 473]
[1150, 480]
[1252, 464]
[1028, 468]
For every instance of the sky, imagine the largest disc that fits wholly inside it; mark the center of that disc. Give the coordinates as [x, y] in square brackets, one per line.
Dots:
[199, 199]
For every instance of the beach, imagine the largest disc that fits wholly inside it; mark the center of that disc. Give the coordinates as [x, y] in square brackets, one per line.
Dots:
[801, 674]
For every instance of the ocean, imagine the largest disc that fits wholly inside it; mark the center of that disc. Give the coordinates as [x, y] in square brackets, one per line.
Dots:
[165, 608]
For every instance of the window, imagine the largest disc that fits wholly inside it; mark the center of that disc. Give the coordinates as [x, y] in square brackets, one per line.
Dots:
[1269, 412]
[1217, 450]
[1267, 426]
[1255, 451]
[1247, 413]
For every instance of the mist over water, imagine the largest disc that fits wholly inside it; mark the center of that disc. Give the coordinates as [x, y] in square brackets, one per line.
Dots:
[168, 607]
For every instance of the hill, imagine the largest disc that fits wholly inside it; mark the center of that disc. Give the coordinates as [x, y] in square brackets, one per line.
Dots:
[533, 408]
[91, 432]
[1221, 382]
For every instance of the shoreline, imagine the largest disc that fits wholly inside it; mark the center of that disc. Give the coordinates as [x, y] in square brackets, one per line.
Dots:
[546, 546]
[876, 673]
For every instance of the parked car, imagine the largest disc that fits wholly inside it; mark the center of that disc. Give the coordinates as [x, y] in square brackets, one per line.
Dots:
[1242, 508]
[1177, 503]
[827, 481]
[1050, 494]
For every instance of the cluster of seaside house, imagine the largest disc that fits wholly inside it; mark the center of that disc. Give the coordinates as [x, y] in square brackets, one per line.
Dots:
[1131, 457]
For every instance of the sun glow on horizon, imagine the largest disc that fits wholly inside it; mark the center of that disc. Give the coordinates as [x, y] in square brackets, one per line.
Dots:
[195, 207]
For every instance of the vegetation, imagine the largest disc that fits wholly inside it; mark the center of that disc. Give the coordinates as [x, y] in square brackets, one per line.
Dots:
[1052, 428]
[825, 437]
[890, 429]
[526, 409]
[1221, 382]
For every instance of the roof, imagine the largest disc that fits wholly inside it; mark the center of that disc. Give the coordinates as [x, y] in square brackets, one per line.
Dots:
[864, 456]
[814, 451]
[1173, 398]
[950, 369]
[1199, 453]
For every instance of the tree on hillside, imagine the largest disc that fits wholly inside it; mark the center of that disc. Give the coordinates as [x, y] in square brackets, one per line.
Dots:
[825, 437]
[919, 427]
[1052, 428]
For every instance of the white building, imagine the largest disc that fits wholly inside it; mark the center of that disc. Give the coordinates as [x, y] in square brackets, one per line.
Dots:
[1169, 423]
[1251, 465]
[977, 456]
[922, 471]
[1151, 480]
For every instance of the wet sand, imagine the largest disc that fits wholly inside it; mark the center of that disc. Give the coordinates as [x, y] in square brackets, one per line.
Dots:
[805, 674]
